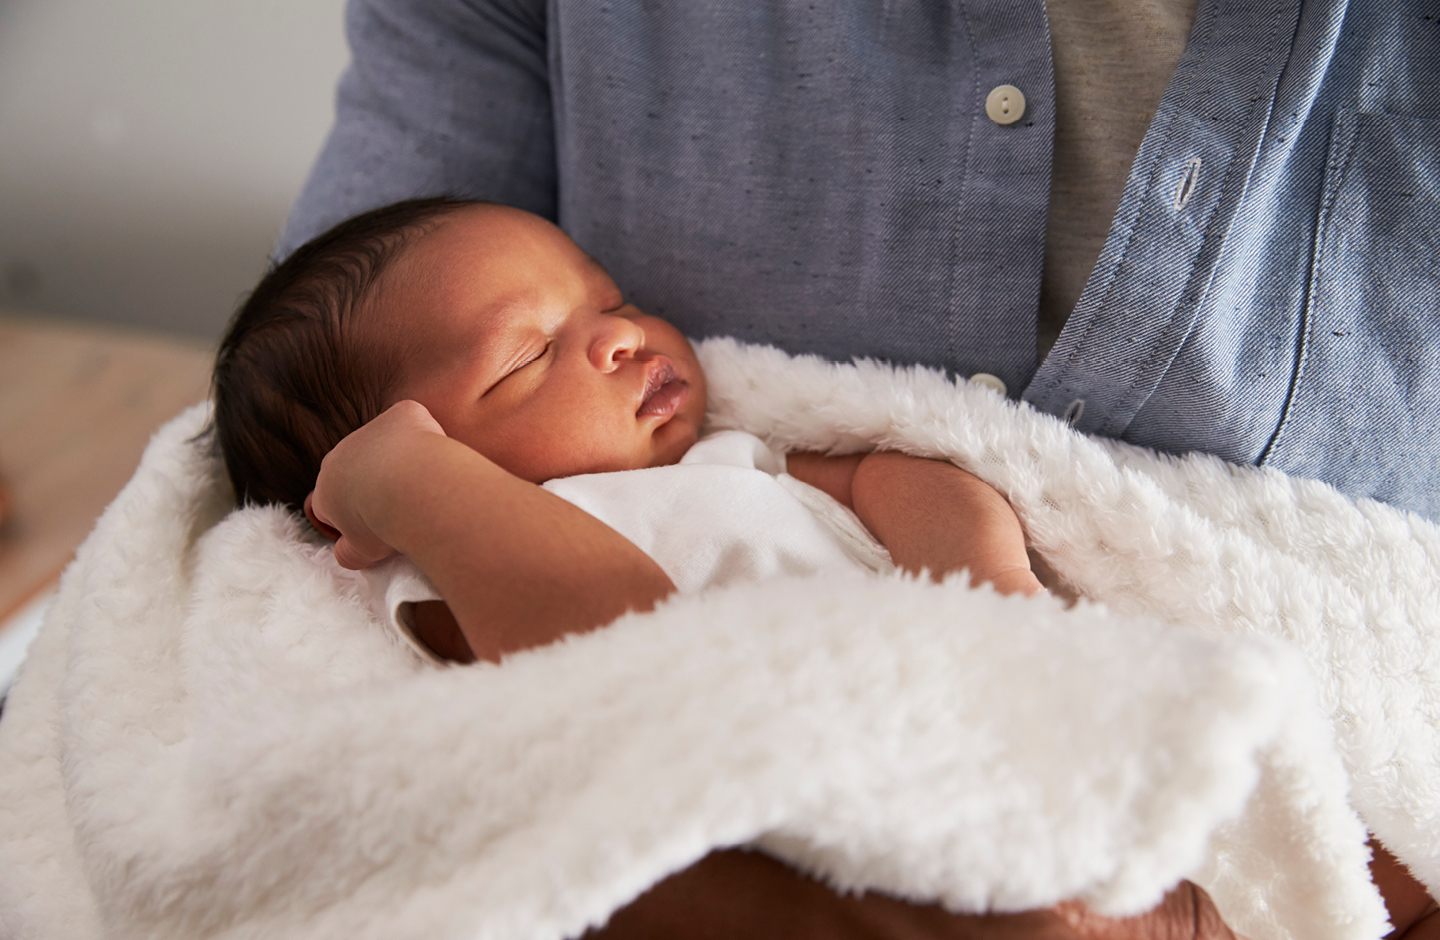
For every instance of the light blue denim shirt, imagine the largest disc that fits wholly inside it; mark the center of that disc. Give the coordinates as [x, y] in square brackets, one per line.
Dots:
[823, 176]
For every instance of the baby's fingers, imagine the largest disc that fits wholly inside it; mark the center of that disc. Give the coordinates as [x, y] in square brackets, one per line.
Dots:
[321, 526]
[351, 551]
[355, 556]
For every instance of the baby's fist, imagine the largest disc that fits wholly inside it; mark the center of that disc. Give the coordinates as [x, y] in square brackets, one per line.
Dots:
[358, 482]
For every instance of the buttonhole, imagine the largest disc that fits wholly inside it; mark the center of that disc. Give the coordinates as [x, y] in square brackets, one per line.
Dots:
[1187, 184]
[1074, 410]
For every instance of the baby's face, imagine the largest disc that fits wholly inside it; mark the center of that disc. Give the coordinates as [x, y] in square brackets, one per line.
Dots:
[523, 348]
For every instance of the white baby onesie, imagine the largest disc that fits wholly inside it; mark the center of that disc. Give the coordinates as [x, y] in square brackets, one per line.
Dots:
[726, 512]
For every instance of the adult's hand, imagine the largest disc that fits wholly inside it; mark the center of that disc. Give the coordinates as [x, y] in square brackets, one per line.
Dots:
[736, 894]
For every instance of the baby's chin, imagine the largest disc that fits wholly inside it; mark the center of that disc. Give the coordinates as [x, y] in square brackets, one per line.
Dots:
[666, 458]
[663, 460]
[681, 438]
[667, 451]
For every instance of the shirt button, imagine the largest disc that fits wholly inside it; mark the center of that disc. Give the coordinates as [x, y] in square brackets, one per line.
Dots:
[988, 381]
[1005, 105]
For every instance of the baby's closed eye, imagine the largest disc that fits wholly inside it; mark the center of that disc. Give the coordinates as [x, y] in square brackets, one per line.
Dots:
[526, 358]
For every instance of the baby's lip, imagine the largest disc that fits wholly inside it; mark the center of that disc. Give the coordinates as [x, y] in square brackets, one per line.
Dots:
[664, 390]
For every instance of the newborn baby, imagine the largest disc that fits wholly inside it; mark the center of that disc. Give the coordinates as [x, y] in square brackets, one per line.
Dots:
[410, 378]
[424, 366]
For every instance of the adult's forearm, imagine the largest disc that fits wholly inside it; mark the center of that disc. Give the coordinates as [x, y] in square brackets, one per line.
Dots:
[738, 893]
[441, 97]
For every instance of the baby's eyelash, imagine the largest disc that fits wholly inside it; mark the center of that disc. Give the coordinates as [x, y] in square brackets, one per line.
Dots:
[539, 354]
[531, 360]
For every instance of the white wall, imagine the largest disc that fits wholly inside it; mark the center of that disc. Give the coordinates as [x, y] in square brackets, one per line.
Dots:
[149, 150]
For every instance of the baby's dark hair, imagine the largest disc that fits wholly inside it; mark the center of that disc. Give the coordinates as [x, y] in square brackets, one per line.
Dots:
[295, 373]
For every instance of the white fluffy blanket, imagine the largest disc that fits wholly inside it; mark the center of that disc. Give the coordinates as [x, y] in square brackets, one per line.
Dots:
[215, 736]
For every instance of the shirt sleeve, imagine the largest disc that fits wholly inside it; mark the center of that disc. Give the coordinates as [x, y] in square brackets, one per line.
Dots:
[442, 97]
[394, 587]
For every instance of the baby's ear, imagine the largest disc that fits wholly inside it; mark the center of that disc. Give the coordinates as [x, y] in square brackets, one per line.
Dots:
[325, 529]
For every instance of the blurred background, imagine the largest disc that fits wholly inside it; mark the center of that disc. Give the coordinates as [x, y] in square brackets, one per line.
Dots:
[149, 150]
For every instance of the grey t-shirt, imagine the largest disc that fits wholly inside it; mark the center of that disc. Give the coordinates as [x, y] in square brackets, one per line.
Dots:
[1113, 59]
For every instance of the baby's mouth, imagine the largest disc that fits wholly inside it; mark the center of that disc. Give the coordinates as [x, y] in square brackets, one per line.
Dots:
[664, 393]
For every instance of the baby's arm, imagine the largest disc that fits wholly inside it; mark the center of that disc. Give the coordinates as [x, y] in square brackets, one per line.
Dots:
[930, 515]
[517, 565]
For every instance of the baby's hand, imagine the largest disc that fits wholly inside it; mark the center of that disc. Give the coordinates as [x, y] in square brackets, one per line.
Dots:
[351, 493]
[934, 516]
[930, 514]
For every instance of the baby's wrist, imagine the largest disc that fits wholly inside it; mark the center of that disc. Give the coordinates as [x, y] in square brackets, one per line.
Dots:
[417, 489]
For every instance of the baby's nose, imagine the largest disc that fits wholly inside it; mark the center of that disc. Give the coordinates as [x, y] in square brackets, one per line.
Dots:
[618, 339]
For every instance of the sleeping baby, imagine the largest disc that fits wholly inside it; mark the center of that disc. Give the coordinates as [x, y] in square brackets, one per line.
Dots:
[460, 383]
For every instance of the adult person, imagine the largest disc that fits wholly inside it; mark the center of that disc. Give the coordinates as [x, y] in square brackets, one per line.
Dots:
[826, 177]
[1233, 254]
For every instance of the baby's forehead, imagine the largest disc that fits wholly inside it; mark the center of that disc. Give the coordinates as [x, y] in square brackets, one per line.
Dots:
[474, 274]
[475, 234]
